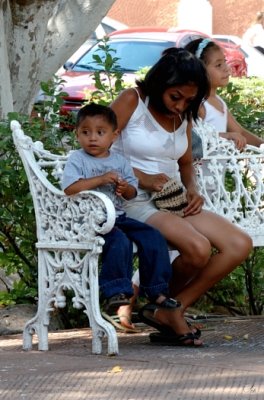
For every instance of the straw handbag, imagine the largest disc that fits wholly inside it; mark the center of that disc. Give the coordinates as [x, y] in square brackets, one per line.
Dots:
[172, 198]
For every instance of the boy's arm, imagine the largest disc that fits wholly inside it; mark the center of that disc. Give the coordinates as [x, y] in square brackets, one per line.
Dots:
[127, 183]
[74, 180]
[92, 183]
[124, 189]
[83, 184]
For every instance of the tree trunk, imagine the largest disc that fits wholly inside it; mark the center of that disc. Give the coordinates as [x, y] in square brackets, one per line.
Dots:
[36, 38]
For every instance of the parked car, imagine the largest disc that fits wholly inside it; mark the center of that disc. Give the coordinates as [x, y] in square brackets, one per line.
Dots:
[135, 48]
[254, 59]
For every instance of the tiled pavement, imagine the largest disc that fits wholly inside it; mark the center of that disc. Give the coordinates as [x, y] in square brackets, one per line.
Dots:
[229, 366]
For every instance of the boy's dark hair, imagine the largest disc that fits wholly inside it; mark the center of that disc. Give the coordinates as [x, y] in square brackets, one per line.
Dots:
[176, 67]
[92, 109]
[194, 44]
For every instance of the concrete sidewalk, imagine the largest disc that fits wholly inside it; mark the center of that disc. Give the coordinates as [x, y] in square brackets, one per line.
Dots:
[229, 366]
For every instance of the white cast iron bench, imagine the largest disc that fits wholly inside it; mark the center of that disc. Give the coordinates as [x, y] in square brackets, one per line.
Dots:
[69, 244]
[232, 182]
[69, 229]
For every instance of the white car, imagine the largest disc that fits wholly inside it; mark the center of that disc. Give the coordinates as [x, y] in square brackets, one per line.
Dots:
[254, 59]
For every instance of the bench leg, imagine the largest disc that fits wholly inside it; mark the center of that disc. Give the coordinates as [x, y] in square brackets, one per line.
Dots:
[40, 322]
[100, 327]
[35, 326]
[69, 270]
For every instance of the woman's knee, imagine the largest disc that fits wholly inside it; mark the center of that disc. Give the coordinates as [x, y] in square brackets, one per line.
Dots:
[240, 246]
[198, 253]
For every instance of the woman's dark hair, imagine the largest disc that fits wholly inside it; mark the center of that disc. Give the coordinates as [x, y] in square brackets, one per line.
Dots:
[205, 51]
[92, 109]
[176, 67]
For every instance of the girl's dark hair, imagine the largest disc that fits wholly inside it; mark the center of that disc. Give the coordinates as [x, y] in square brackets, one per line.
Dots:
[176, 67]
[204, 54]
[92, 109]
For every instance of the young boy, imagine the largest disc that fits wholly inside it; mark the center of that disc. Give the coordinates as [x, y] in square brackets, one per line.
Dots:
[95, 167]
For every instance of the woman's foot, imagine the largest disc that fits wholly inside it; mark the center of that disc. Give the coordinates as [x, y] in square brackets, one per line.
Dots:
[189, 339]
[170, 323]
[195, 324]
[177, 322]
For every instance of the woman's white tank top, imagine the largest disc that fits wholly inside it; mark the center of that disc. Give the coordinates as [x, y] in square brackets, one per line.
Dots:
[148, 146]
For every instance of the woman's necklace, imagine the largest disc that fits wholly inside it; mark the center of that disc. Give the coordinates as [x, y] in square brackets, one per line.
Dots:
[174, 122]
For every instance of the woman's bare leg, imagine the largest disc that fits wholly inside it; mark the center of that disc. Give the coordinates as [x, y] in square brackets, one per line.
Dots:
[193, 237]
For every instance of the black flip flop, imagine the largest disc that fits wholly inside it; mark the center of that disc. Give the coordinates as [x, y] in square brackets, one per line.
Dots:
[163, 329]
[176, 340]
[150, 308]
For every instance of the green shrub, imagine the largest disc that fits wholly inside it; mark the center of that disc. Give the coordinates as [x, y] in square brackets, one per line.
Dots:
[17, 220]
[245, 100]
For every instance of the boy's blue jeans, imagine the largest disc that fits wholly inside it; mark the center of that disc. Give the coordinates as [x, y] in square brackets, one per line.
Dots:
[117, 259]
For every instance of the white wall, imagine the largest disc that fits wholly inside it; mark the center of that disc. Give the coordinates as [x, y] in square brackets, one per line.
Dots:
[195, 14]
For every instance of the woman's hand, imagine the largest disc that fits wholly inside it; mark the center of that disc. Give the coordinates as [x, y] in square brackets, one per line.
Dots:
[151, 183]
[195, 203]
[156, 182]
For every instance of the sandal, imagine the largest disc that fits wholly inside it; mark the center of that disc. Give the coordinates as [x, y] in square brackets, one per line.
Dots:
[188, 339]
[163, 329]
[112, 304]
[168, 303]
[151, 321]
[115, 321]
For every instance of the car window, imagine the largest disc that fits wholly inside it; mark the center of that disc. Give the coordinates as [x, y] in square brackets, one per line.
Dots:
[133, 55]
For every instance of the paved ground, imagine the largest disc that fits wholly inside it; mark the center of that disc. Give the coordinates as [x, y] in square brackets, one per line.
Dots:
[230, 366]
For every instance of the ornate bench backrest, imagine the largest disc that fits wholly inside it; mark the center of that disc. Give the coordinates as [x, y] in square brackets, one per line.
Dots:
[232, 181]
[61, 220]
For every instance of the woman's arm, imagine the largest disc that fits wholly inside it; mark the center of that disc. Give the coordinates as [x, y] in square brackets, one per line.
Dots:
[186, 164]
[124, 106]
[234, 126]
[195, 200]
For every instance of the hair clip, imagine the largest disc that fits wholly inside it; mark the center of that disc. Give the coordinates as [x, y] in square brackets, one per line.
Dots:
[202, 45]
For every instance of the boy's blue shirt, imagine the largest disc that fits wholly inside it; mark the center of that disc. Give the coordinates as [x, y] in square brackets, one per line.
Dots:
[81, 165]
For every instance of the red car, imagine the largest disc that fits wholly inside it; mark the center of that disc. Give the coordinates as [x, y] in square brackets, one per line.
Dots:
[135, 48]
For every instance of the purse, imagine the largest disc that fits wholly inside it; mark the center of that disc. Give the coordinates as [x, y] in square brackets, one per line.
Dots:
[172, 198]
